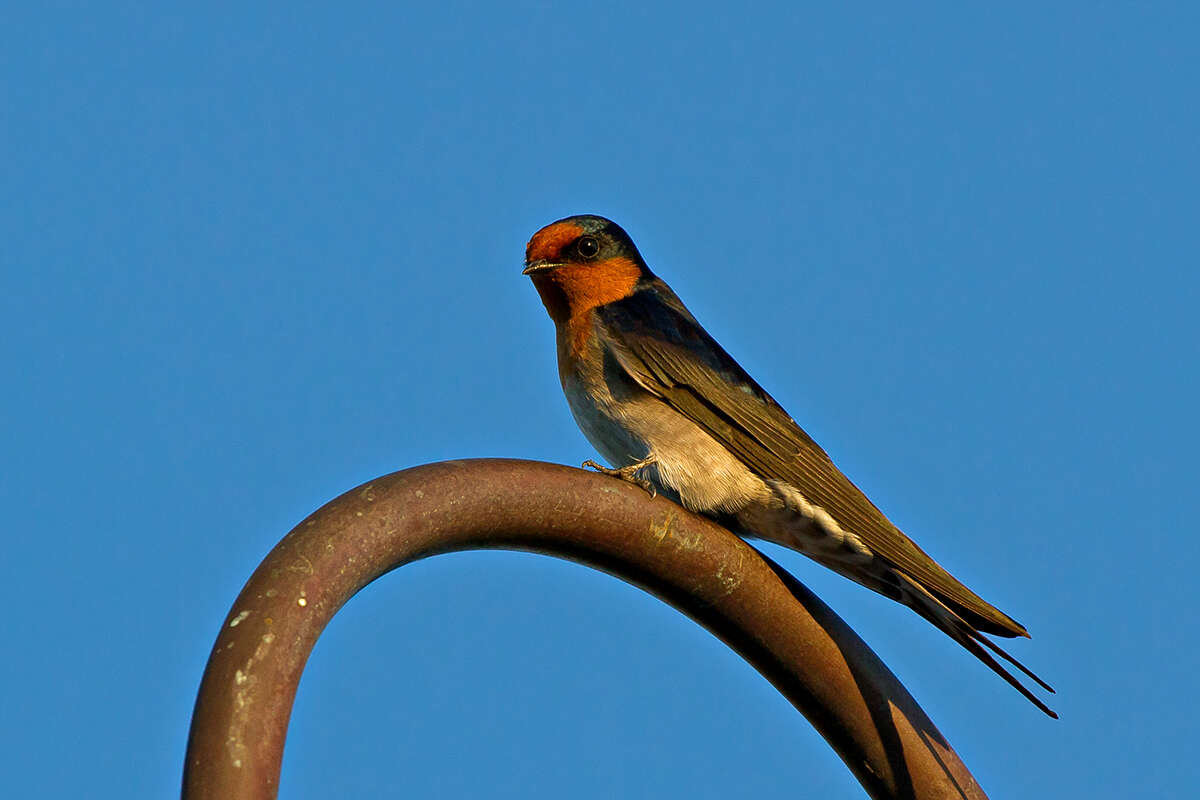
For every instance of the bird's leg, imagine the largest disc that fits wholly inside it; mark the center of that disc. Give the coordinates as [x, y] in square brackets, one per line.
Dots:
[629, 473]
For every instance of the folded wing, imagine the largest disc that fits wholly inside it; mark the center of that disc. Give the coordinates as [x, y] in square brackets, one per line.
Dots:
[670, 355]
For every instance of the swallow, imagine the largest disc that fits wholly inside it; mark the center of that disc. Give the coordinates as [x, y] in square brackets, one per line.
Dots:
[670, 410]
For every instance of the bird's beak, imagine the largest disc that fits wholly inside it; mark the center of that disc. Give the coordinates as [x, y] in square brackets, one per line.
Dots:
[538, 266]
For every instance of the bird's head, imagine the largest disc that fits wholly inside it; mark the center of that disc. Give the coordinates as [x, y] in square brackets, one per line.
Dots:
[582, 262]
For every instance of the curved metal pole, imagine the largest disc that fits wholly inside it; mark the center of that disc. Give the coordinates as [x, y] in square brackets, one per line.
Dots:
[238, 728]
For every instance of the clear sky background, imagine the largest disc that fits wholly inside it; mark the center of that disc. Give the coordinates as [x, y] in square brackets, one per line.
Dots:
[256, 254]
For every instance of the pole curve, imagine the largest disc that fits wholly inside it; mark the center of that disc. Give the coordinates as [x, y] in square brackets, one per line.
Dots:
[235, 747]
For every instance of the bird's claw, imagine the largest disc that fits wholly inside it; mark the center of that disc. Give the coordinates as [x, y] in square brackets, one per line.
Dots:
[628, 474]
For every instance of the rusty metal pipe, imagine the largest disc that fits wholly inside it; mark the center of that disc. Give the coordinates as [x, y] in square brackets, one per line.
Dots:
[240, 721]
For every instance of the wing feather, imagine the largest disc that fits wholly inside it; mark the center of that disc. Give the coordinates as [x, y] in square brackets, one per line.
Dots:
[666, 351]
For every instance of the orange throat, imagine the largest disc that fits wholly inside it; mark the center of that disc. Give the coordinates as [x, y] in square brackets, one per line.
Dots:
[571, 291]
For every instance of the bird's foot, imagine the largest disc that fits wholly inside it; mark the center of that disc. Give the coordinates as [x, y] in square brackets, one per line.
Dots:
[629, 473]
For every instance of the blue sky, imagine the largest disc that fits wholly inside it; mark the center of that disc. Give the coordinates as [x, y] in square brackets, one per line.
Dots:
[254, 256]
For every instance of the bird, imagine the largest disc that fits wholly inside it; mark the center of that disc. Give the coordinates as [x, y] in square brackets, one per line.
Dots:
[670, 410]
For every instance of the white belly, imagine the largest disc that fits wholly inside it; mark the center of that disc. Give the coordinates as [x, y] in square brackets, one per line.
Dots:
[689, 463]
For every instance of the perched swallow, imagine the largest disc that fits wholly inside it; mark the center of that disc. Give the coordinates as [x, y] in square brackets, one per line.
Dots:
[672, 411]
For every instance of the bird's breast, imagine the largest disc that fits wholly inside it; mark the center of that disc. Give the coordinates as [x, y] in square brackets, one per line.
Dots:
[626, 424]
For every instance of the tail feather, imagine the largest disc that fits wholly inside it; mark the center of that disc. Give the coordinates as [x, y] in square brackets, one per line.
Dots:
[1000, 651]
[798, 526]
[944, 619]
[1011, 630]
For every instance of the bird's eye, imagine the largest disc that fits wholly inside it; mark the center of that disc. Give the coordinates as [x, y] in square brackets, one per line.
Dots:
[587, 247]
